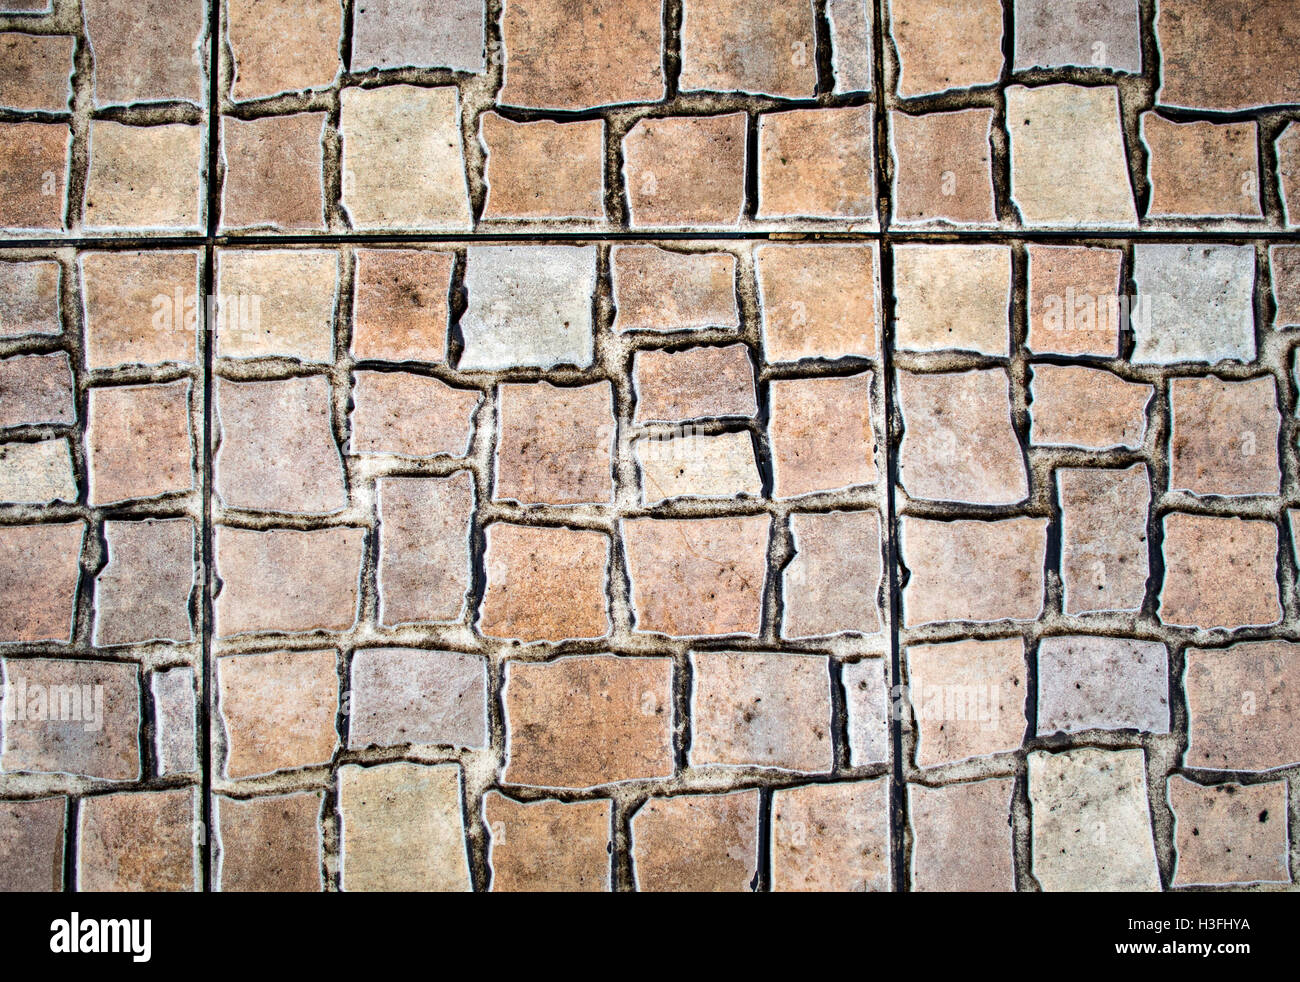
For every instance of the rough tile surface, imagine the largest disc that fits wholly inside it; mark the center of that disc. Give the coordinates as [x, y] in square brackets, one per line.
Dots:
[831, 838]
[405, 695]
[1229, 833]
[548, 846]
[962, 837]
[700, 843]
[1100, 683]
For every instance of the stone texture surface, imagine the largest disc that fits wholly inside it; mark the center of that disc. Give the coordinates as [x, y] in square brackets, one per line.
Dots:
[545, 584]
[139, 441]
[143, 592]
[1219, 572]
[698, 466]
[818, 301]
[274, 172]
[700, 843]
[144, 177]
[548, 846]
[1083, 33]
[39, 564]
[1104, 514]
[1284, 265]
[1241, 703]
[943, 163]
[269, 845]
[139, 842]
[831, 838]
[394, 33]
[961, 837]
[36, 473]
[404, 695]
[816, 163]
[33, 175]
[1229, 833]
[1073, 406]
[953, 296]
[31, 845]
[852, 24]
[1100, 683]
[276, 302]
[589, 720]
[1091, 827]
[36, 389]
[1196, 303]
[686, 171]
[145, 52]
[761, 710]
[1074, 300]
[694, 383]
[140, 307]
[832, 584]
[29, 298]
[869, 712]
[544, 169]
[265, 65]
[424, 548]
[660, 290]
[1288, 153]
[1225, 436]
[401, 306]
[946, 46]
[36, 72]
[175, 720]
[822, 438]
[410, 415]
[1202, 169]
[555, 445]
[765, 47]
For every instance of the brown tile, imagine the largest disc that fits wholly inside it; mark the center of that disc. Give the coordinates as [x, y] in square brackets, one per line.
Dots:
[139, 842]
[283, 45]
[548, 846]
[688, 170]
[175, 714]
[276, 302]
[269, 845]
[33, 174]
[36, 389]
[831, 586]
[31, 845]
[400, 310]
[41, 565]
[760, 46]
[816, 163]
[972, 570]
[958, 440]
[659, 290]
[555, 444]
[961, 837]
[424, 548]
[1201, 169]
[406, 695]
[761, 710]
[818, 301]
[561, 55]
[545, 584]
[410, 415]
[274, 172]
[277, 450]
[705, 843]
[697, 576]
[1284, 265]
[36, 72]
[1072, 406]
[147, 51]
[695, 383]
[697, 465]
[953, 297]
[278, 710]
[282, 580]
[1241, 706]
[72, 717]
[946, 46]
[583, 721]
[144, 177]
[143, 592]
[1074, 302]
[29, 298]
[831, 838]
[140, 307]
[543, 169]
[1219, 572]
[1225, 436]
[822, 439]
[943, 164]
[1104, 514]
[1229, 833]
[1288, 167]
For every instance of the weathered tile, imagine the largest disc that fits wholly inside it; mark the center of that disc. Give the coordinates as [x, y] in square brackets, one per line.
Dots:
[761, 710]
[817, 163]
[832, 838]
[1224, 436]
[972, 570]
[559, 55]
[410, 415]
[1201, 170]
[1101, 683]
[139, 842]
[530, 306]
[143, 592]
[269, 845]
[953, 296]
[959, 443]
[403, 160]
[276, 303]
[37, 473]
[555, 444]
[424, 548]
[1085, 33]
[31, 845]
[282, 580]
[697, 465]
[1104, 514]
[548, 846]
[36, 389]
[766, 47]
[545, 584]
[175, 720]
[1195, 303]
[945, 46]
[274, 172]
[1219, 572]
[832, 584]
[1091, 823]
[420, 33]
[33, 175]
[277, 450]
[1288, 167]
[402, 828]
[147, 51]
[139, 441]
[283, 45]
[401, 307]
[71, 717]
[968, 699]
[1068, 165]
[1229, 833]
[659, 290]
[404, 695]
[544, 169]
[961, 837]
[36, 72]
[1241, 706]
[818, 301]
[278, 710]
[686, 171]
[1073, 406]
[141, 308]
[869, 711]
[29, 298]
[851, 23]
[41, 564]
[1284, 267]
[697, 576]
[822, 438]
[943, 163]
[144, 177]
[583, 721]
[1074, 302]
[702, 843]
[694, 383]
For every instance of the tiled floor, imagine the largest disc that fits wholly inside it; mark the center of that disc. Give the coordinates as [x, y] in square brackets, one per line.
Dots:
[653, 444]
